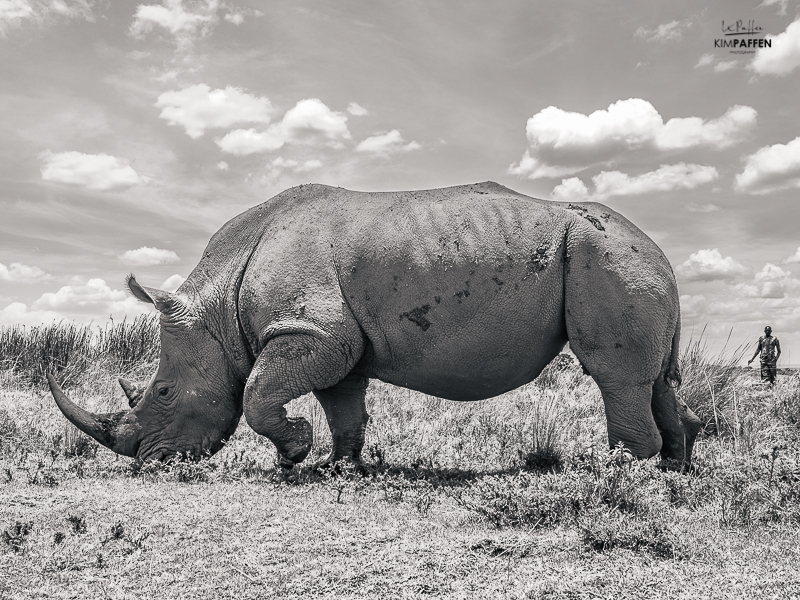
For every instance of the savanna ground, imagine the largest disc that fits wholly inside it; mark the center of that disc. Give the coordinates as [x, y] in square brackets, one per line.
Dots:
[515, 497]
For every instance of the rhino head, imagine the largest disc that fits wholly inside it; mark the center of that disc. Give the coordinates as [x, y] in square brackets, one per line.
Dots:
[190, 406]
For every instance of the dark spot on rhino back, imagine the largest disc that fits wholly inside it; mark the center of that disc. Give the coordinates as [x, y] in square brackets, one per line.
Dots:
[595, 221]
[417, 316]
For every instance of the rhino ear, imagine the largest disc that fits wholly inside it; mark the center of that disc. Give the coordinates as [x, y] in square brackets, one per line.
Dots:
[163, 301]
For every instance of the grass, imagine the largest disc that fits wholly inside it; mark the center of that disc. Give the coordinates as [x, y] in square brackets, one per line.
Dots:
[515, 497]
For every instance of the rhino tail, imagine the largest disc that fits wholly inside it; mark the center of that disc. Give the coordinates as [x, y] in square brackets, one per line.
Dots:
[672, 374]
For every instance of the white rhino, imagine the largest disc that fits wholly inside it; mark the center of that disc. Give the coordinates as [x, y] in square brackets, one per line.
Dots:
[464, 293]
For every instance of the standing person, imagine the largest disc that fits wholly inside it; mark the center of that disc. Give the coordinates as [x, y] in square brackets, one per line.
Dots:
[770, 349]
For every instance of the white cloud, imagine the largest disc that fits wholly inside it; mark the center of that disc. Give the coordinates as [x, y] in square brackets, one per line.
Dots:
[704, 61]
[242, 142]
[22, 273]
[784, 55]
[614, 183]
[147, 256]
[172, 283]
[357, 110]
[702, 208]
[782, 4]
[185, 21]
[94, 297]
[14, 12]
[280, 165]
[570, 190]
[385, 144]
[310, 121]
[198, 108]
[794, 258]
[296, 165]
[235, 18]
[93, 171]
[771, 168]
[223, 166]
[725, 65]
[708, 265]
[563, 143]
[667, 32]
[17, 313]
[666, 178]
[770, 282]
[723, 132]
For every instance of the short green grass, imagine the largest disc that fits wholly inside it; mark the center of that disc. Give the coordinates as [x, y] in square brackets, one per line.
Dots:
[515, 497]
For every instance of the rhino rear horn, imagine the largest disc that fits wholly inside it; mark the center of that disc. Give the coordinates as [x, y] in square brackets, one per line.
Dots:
[132, 391]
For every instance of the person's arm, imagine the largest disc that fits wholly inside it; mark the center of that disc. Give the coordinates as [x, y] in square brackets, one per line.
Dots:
[778, 348]
[757, 351]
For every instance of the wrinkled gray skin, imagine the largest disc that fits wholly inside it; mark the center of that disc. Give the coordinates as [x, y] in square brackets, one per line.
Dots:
[463, 293]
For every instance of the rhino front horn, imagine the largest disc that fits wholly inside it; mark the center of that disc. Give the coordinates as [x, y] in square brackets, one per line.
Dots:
[116, 431]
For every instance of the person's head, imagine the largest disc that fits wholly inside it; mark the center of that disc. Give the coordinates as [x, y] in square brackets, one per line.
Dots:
[768, 330]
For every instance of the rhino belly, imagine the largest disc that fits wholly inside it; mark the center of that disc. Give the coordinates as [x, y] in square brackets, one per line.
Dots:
[462, 332]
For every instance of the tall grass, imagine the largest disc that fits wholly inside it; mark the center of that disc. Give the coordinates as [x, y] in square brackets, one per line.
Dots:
[73, 351]
[712, 384]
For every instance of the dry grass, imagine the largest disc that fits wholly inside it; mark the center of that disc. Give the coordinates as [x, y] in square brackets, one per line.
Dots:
[515, 497]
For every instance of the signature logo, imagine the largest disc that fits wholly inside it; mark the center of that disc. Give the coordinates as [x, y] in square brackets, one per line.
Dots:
[741, 28]
[740, 34]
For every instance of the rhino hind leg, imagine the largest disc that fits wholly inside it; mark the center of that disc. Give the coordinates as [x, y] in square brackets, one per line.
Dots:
[290, 366]
[346, 412]
[676, 422]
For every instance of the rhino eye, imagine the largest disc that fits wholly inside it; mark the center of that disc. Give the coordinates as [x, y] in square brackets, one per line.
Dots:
[163, 390]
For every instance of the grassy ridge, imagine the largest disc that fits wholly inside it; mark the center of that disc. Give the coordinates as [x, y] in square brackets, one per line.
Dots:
[514, 497]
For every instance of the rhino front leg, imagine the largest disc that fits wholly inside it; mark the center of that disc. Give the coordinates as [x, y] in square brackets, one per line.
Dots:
[289, 366]
[346, 412]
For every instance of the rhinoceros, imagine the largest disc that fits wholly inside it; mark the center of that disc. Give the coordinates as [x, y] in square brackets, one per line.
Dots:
[463, 293]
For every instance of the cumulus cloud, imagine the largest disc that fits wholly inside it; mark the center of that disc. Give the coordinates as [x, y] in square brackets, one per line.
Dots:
[185, 21]
[666, 32]
[614, 183]
[794, 258]
[296, 165]
[356, 110]
[17, 313]
[571, 190]
[172, 283]
[94, 297]
[563, 143]
[709, 265]
[235, 18]
[147, 256]
[280, 165]
[704, 61]
[782, 57]
[93, 171]
[702, 208]
[13, 13]
[310, 121]
[198, 108]
[22, 273]
[385, 144]
[782, 5]
[725, 65]
[770, 169]
[770, 282]
[223, 166]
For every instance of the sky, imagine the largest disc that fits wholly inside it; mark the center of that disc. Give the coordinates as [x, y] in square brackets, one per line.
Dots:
[130, 133]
